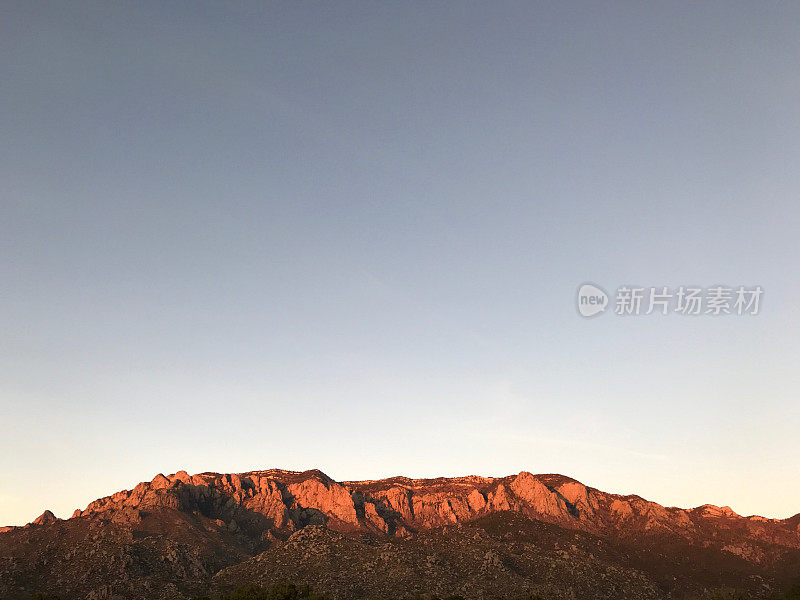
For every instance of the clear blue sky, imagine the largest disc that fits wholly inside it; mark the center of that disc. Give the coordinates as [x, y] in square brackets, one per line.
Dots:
[349, 237]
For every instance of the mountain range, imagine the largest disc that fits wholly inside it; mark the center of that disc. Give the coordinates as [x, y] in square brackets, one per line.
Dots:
[536, 536]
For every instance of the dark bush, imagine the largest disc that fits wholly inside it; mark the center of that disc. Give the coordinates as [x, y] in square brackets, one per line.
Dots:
[793, 593]
[277, 591]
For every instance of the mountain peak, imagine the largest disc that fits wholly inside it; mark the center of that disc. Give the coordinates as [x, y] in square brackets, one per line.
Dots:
[46, 518]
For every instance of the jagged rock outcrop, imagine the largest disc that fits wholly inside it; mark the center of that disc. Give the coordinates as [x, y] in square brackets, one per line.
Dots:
[45, 518]
[283, 501]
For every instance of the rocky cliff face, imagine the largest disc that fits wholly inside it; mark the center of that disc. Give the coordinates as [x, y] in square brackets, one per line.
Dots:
[284, 501]
[171, 535]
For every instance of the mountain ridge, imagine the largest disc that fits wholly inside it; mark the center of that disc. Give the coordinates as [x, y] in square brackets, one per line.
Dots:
[554, 482]
[411, 481]
[182, 534]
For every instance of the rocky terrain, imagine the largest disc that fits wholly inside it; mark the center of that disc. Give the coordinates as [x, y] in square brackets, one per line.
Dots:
[184, 536]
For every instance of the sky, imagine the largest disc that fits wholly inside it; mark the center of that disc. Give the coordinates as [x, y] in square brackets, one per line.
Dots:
[349, 236]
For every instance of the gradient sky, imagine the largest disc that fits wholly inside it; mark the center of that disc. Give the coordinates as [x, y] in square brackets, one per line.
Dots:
[349, 237]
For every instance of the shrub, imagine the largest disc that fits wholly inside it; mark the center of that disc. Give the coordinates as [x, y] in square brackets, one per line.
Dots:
[277, 591]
